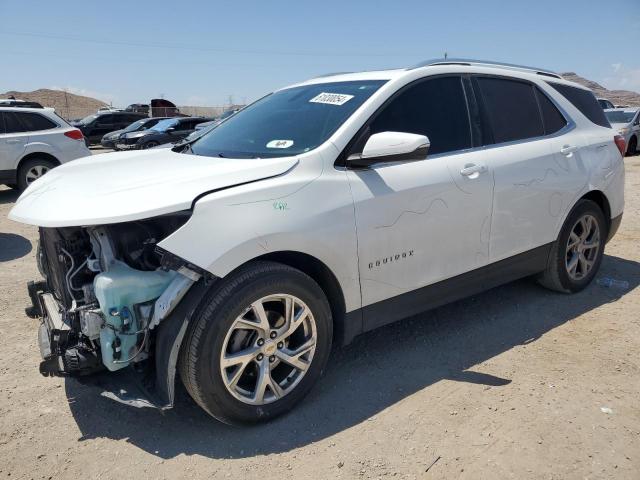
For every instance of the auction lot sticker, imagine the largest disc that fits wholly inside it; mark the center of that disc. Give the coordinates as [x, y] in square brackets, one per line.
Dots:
[280, 144]
[331, 98]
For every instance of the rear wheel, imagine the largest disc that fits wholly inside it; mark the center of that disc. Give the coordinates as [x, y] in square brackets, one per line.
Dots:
[258, 344]
[31, 170]
[576, 256]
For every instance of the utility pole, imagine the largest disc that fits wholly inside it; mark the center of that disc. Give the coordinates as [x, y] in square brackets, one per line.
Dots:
[445, 55]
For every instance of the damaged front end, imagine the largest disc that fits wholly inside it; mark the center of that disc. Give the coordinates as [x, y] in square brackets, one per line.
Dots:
[106, 289]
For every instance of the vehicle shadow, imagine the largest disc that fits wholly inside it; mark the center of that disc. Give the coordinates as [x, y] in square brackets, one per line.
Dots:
[8, 195]
[376, 371]
[13, 246]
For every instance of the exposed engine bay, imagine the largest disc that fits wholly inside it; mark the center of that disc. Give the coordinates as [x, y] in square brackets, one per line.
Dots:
[105, 289]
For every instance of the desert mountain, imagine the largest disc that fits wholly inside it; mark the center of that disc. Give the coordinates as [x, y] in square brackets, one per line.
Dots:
[67, 105]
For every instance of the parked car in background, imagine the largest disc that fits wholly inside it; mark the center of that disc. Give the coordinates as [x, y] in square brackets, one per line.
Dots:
[109, 108]
[138, 108]
[110, 139]
[627, 122]
[95, 126]
[605, 104]
[217, 121]
[323, 210]
[32, 142]
[170, 130]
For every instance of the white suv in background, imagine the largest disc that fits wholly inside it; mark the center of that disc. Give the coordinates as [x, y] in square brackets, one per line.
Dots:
[321, 211]
[33, 141]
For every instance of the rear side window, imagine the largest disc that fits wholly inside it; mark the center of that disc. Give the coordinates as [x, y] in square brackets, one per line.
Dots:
[552, 119]
[585, 101]
[512, 109]
[436, 108]
[33, 122]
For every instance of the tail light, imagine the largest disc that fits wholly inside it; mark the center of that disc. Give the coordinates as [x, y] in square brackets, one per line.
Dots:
[74, 134]
[620, 143]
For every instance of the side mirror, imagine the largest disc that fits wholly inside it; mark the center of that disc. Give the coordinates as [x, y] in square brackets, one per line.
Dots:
[391, 147]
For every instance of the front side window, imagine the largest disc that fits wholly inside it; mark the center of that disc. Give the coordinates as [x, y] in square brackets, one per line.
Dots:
[436, 108]
[288, 122]
[512, 109]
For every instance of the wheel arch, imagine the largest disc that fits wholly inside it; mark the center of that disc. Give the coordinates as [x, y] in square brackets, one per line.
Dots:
[29, 156]
[327, 281]
[600, 199]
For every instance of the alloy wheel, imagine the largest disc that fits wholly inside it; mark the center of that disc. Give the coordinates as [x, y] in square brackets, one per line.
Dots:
[268, 349]
[35, 173]
[582, 247]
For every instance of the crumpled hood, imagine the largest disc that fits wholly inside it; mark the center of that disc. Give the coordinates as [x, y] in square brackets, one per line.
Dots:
[125, 186]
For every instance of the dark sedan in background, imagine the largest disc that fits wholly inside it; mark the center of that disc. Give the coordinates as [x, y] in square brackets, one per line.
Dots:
[166, 131]
[110, 139]
[96, 126]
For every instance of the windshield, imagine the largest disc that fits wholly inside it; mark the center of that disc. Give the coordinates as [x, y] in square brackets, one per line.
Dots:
[288, 122]
[162, 125]
[88, 119]
[135, 126]
[618, 116]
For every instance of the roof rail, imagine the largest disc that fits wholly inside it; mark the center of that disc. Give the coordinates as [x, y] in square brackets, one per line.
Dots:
[484, 63]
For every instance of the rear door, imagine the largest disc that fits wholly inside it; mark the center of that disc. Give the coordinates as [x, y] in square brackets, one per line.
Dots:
[534, 154]
[13, 140]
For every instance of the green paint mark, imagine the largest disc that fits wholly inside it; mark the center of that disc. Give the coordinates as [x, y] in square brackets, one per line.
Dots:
[280, 205]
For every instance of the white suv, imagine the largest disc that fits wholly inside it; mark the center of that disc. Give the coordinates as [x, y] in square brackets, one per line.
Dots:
[321, 211]
[33, 141]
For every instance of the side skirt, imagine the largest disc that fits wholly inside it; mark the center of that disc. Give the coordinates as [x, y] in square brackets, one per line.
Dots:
[8, 176]
[455, 288]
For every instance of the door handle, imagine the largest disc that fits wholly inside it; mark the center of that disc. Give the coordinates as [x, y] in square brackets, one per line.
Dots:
[472, 169]
[13, 140]
[568, 149]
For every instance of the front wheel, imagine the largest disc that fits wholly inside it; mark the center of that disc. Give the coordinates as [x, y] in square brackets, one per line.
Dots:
[258, 344]
[151, 144]
[576, 255]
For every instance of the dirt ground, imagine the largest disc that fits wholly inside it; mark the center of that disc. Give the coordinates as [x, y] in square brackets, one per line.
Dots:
[518, 382]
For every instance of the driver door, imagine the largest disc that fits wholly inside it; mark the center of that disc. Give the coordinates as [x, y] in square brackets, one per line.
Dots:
[421, 222]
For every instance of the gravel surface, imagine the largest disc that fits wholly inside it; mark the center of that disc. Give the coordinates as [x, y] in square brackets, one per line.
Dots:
[517, 382]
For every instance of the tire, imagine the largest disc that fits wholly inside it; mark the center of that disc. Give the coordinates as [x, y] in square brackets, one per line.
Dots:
[214, 333]
[632, 148]
[12, 186]
[150, 145]
[31, 170]
[559, 275]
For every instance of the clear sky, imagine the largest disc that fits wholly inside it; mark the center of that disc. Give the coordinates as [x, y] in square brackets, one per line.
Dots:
[203, 52]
